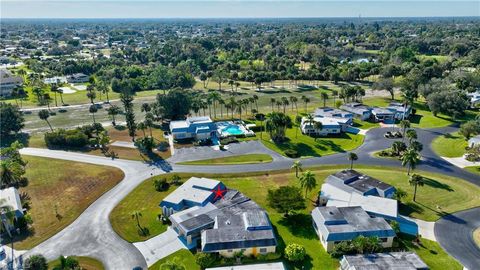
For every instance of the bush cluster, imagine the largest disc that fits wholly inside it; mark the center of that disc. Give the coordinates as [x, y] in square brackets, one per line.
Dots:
[292, 153]
[66, 138]
[228, 140]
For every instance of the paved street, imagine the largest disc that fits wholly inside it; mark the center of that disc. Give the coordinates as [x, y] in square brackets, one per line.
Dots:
[92, 235]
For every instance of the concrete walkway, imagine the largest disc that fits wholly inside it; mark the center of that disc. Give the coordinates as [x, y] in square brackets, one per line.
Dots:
[461, 162]
[123, 144]
[160, 246]
[426, 229]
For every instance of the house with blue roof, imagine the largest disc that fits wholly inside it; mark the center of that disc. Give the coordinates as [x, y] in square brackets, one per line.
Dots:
[334, 225]
[198, 128]
[359, 110]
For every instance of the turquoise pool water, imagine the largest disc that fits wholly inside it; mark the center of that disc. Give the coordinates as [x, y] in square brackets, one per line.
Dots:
[233, 130]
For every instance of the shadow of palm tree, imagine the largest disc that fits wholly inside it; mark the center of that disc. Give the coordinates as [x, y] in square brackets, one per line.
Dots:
[435, 184]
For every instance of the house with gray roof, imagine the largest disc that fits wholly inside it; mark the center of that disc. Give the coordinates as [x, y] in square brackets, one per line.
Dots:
[226, 225]
[194, 192]
[383, 261]
[10, 199]
[354, 181]
[336, 224]
[8, 82]
[359, 110]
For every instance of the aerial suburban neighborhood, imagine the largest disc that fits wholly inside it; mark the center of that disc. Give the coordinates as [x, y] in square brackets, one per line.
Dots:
[240, 135]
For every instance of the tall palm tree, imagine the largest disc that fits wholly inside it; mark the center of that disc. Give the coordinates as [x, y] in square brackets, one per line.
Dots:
[404, 124]
[324, 98]
[113, 111]
[93, 109]
[416, 180]
[8, 212]
[352, 157]
[142, 127]
[44, 115]
[310, 120]
[334, 95]
[318, 126]
[47, 99]
[54, 88]
[308, 181]
[285, 103]
[298, 122]
[411, 135]
[410, 158]
[297, 166]
[255, 100]
[272, 102]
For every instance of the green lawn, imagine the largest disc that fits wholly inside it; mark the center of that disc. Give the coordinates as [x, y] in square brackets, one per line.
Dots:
[450, 145]
[86, 263]
[440, 195]
[439, 58]
[476, 236]
[308, 146]
[473, 169]
[60, 195]
[182, 257]
[241, 159]
[423, 117]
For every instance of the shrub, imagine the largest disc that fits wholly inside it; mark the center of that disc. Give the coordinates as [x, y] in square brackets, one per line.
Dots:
[161, 184]
[66, 138]
[37, 262]
[291, 153]
[205, 260]
[295, 252]
[163, 146]
[145, 144]
[228, 140]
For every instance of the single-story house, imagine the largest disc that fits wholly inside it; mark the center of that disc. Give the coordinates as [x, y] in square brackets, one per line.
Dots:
[402, 111]
[10, 198]
[194, 192]
[336, 224]
[329, 125]
[57, 79]
[359, 110]
[332, 112]
[77, 78]
[388, 260]
[383, 115]
[257, 266]
[474, 141]
[226, 225]
[353, 181]
[8, 82]
[198, 128]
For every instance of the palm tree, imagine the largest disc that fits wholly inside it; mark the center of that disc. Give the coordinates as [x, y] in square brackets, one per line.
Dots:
[91, 95]
[324, 98]
[334, 95]
[272, 102]
[145, 107]
[142, 127]
[411, 135]
[104, 89]
[352, 157]
[149, 122]
[60, 91]
[47, 99]
[310, 120]
[416, 180]
[308, 181]
[8, 212]
[285, 103]
[113, 111]
[297, 166]
[44, 115]
[404, 124]
[306, 100]
[279, 103]
[255, 100]
[410, 158]
[93, 109]
[318, 126]
[298, 121]
[54, 89]
[136, 215]
[293, 101]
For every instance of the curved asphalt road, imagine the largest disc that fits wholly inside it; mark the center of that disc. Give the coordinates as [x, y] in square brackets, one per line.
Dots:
[92, 235]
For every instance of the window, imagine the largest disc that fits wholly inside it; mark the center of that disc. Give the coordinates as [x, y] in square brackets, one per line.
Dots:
[384, 239]
[230, 250]
[263, 250]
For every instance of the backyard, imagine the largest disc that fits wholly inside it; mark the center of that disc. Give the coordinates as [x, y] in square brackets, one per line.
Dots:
[434, 199]
[59, 196]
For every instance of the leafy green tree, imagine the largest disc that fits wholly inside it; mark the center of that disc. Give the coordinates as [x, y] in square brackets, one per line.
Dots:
[399, 195]
[67, 263]
[205, 260]
[297, 166]
[398, 148]
[286, 199]
[176, 104]
[416, 180]
[308, 181]
[44, 115]
[470, 129]
[11, 119]
[36, 262]
[352, 157]
[295, 252]
[385, 84]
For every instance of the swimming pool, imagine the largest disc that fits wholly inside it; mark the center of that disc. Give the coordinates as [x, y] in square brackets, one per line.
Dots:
[233, 130]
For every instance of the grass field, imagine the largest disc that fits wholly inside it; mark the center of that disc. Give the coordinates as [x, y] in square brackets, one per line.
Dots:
[476, 236]
[182, 257]
[241, 159]
[86, 263]
[450, 145]
[473, 169]
[60, 191]
[440, 195]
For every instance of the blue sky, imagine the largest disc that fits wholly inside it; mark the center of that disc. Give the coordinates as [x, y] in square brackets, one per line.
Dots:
[235, 8]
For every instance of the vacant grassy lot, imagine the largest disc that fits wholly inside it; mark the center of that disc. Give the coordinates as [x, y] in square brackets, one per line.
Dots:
[308, 146]
[241, 159]
[86, 263]
[60, 191]
[182, 257]
[450, 145]
[439, 196]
